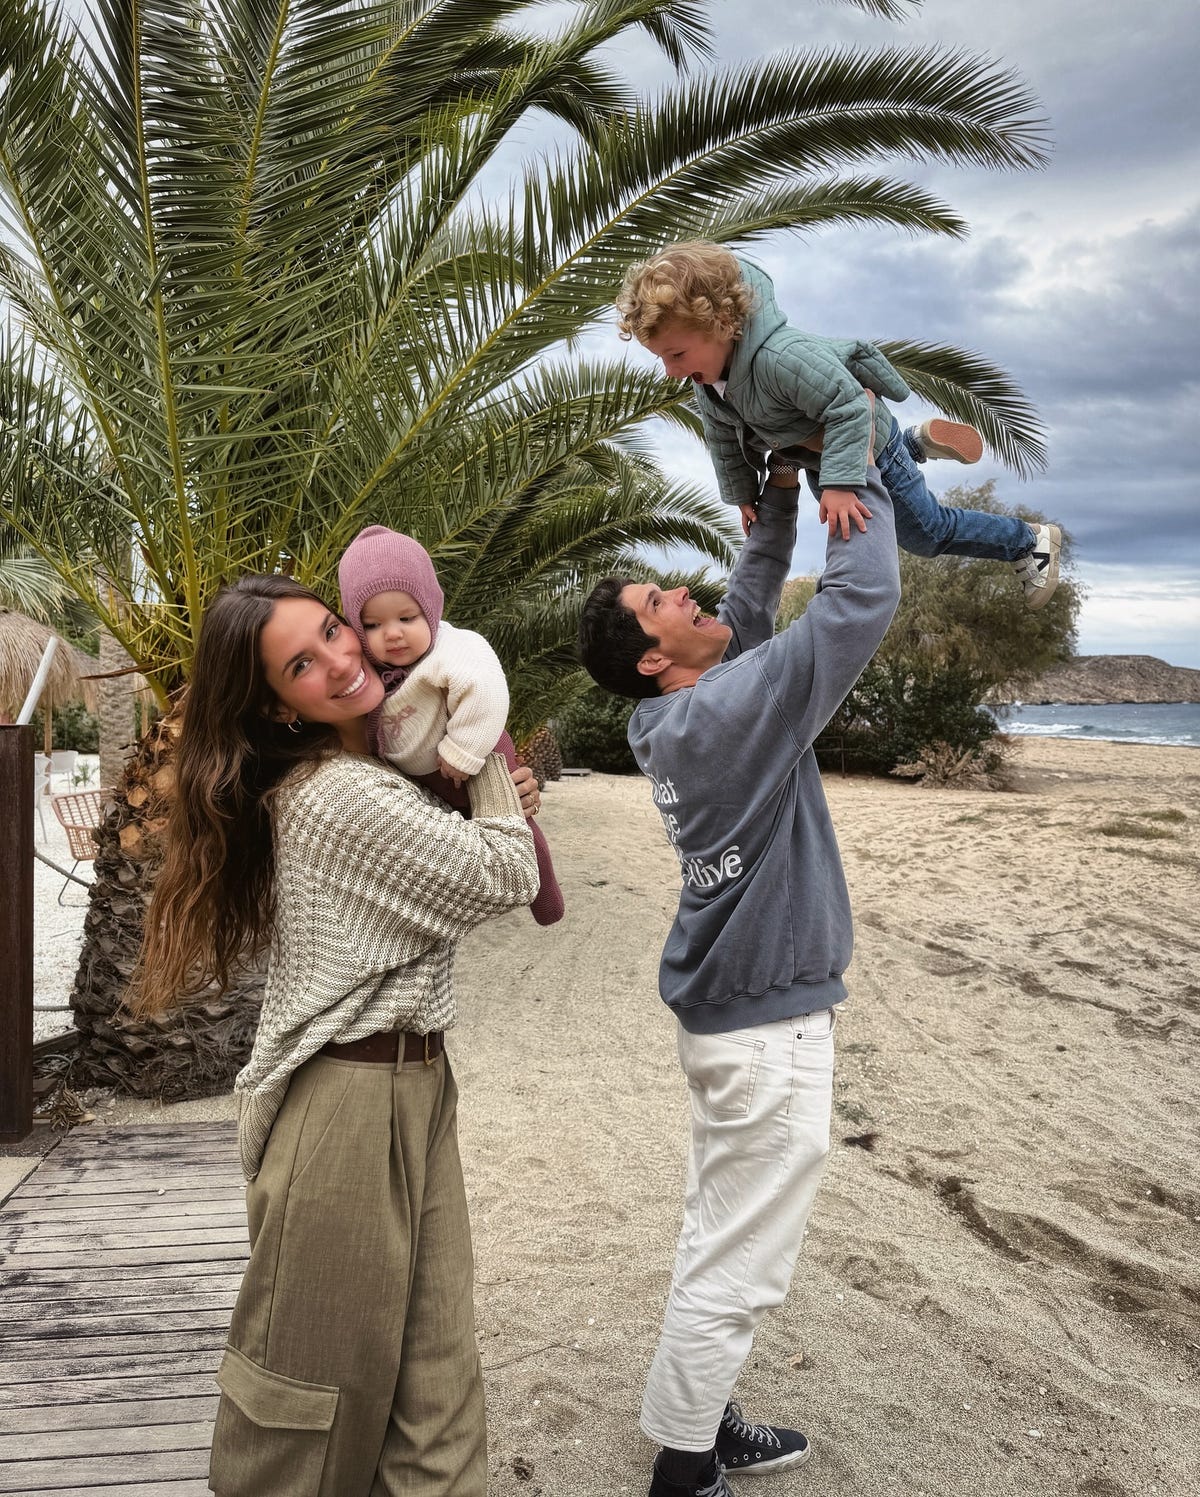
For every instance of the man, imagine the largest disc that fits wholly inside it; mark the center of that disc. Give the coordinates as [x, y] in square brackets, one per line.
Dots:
[754, 961]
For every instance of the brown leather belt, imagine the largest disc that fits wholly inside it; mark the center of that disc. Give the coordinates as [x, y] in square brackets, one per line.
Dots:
[384, 1047]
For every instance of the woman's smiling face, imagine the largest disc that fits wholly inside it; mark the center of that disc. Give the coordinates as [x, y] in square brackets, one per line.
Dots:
[314, 664]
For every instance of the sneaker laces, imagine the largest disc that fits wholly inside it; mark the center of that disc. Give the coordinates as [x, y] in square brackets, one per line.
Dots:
[719, 1488]
[753, 1434]
[1034, 564]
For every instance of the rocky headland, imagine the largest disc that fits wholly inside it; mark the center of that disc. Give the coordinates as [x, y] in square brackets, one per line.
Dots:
[1095, 680]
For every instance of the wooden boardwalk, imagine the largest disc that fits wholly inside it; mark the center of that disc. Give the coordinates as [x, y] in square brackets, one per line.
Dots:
[120, 1257]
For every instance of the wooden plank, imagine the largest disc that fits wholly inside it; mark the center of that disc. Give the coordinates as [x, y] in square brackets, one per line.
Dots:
[119, 1265]
[176, 1157]
[115, 1306]
[31, 1401]
[133, 1132]
[131, 1323]
[124, 1209]
[130, 1140]
[208, 1252]
[116, 1344]
[163, 1161]
[72, 1443]
[122, 1143]
[75, 1476]
[125, 1413]
[74, 1293]
[77, 1276]
[16, 932]
[115, 1180]
[56, 1240]
[32, 1193]
[15, 1376]
[183, 1487]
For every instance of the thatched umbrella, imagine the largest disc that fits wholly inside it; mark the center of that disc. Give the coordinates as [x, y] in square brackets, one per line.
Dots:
[22, 643]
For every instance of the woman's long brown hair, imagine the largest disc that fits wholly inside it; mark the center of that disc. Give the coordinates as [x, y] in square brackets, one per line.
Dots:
[212, 905]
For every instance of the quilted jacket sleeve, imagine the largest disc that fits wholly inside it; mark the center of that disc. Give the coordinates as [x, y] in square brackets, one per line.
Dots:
[737, 481]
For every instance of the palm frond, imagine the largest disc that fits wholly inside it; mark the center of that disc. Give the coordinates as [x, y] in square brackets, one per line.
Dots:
[269, 279]
[970, 388]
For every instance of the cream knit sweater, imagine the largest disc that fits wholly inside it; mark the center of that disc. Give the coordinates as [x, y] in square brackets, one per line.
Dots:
[375, 881]
[453, 702]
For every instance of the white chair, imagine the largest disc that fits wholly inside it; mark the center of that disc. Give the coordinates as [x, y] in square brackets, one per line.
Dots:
[41, 787]
[62, 766]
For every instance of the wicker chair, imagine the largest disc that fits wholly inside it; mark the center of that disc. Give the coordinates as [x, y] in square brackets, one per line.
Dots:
[79, 814]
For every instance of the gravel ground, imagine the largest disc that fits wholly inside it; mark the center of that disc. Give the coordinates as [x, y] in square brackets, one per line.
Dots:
[57, 928]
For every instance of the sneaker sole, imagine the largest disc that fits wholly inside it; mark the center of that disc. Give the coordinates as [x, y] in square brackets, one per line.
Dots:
[765, 1468]
[953, 440]
[1039, 599]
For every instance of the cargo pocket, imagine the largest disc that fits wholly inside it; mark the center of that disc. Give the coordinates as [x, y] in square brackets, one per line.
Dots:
[271, 1433]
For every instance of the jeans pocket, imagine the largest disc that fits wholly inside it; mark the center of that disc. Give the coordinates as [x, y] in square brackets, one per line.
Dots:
[271, 1434]
[723, 1069]
[818, 1025]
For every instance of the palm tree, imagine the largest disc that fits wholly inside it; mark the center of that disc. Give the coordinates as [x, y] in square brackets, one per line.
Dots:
[269, 282]
[28, 583]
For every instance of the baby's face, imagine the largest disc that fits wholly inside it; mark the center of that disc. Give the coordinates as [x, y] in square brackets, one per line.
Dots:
[396, 629]
[687, 353]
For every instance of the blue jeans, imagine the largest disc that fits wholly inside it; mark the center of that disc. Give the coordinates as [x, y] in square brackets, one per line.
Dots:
[927, 528]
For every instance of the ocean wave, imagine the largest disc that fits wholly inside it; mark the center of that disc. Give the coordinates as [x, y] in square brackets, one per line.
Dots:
[1169, 724]
[1044, 730]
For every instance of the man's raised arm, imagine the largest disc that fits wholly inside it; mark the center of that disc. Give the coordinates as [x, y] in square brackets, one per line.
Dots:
[756, 582]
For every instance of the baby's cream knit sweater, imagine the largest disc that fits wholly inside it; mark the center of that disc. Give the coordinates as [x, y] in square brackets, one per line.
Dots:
[375, 881]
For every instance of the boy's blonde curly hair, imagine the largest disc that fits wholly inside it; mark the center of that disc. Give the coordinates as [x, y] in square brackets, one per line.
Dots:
[697, 284]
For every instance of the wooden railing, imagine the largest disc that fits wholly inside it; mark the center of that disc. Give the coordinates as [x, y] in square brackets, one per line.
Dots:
[16, 932]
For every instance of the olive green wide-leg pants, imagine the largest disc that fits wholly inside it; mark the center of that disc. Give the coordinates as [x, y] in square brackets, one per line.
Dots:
[352, 1368]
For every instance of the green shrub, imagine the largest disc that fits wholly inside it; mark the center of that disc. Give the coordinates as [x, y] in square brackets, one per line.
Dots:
[591, 732]
[73, 727]
[891, 715]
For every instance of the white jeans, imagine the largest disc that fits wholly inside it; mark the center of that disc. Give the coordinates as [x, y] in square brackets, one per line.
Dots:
[761, 1101]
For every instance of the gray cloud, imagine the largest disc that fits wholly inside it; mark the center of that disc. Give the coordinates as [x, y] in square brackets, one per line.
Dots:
[1081, 279]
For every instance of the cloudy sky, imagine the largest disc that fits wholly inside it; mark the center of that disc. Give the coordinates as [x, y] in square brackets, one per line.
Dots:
[1081, 280]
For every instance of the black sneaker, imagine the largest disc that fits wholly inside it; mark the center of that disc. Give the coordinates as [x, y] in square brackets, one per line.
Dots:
[746, 1449]
[710, 1483]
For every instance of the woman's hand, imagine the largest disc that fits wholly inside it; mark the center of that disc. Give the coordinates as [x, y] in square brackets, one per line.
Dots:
[527, 788]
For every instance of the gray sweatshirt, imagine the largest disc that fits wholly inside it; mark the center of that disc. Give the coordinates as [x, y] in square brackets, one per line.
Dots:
[763, 929]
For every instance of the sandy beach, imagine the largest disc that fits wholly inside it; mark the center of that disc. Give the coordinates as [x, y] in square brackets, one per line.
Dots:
[999, 1292]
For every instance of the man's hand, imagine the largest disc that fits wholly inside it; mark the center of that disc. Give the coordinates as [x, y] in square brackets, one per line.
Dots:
[839, 507]
[749, 516]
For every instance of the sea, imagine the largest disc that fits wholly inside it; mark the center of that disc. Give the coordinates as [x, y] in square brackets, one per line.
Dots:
[1176, 723]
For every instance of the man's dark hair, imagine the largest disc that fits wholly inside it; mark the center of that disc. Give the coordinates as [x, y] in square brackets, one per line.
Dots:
[611, 641]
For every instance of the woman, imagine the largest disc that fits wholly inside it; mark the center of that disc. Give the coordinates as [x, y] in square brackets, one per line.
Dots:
[352, 1368]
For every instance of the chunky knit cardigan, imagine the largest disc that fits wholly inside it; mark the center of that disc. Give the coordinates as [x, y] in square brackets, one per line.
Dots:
[375, 881]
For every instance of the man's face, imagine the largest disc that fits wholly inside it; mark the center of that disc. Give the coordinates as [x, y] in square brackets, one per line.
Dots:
[688, 354]
[686, 637]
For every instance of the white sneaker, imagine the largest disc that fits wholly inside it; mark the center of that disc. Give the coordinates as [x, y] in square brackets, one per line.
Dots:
[1037, 570]
[950, 439]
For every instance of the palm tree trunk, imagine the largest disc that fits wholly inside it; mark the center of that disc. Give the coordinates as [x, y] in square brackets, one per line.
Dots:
[195, 1050]
[114, 709]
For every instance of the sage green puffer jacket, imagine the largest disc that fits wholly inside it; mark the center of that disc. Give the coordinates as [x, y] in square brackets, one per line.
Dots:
[785, 385]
